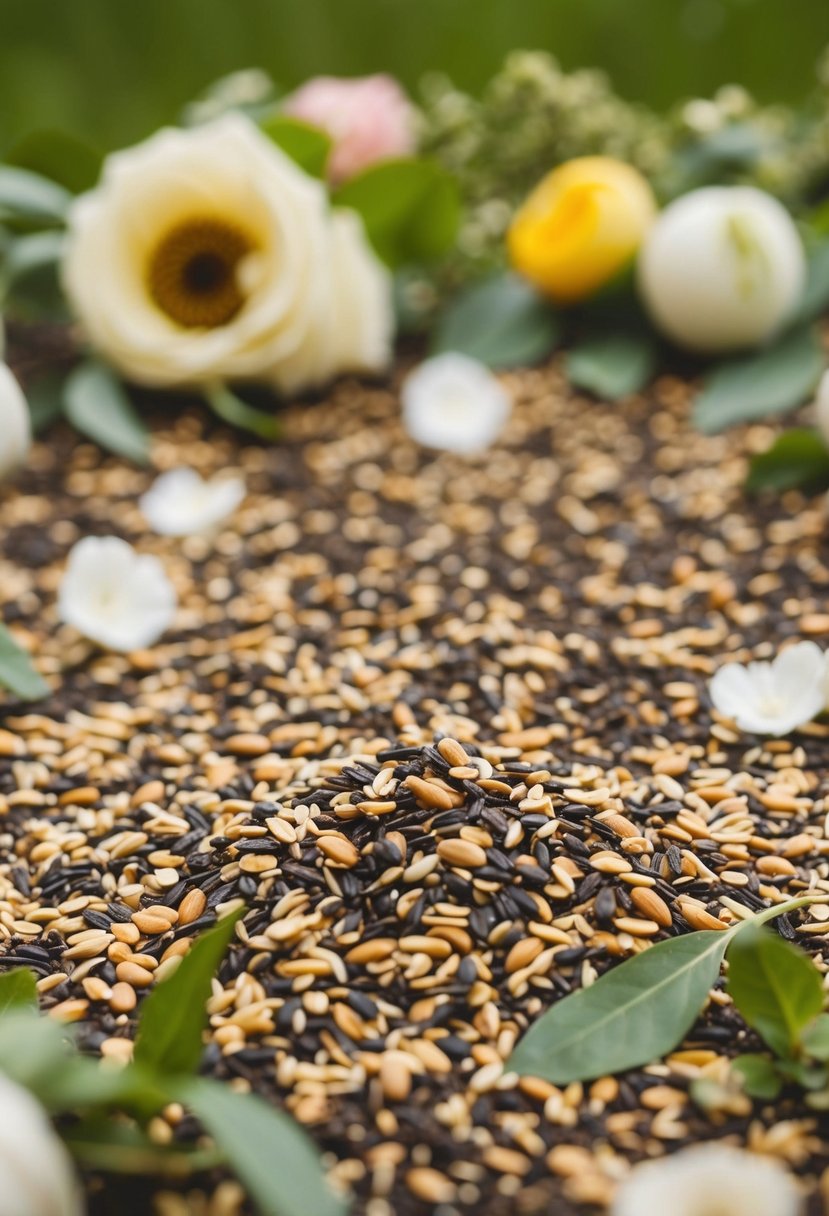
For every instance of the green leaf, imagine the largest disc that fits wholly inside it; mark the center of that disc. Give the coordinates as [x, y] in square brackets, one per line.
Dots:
[121, 1148]
[759, 1076]
[632, 1015]
[309, 146]
[612, 367]
[17, 672]
[173, 1016]
[776, 987]
[804, 1073]
[798, 457]
[27, 196]
[83, 1083]
[18, 988]
[410, 208]
[815, 299]
[96, 404]
[232, 409]
[271, 1154]
[45, 398]
[60, 157]
[771, 381]
[815, 1038]
[33, 252]
[500, 321]
[33, 1050]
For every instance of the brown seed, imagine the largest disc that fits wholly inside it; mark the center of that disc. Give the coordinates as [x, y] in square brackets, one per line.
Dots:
[696, 914]
[247, 745]
[84, 795]
[372, 951]
[430, 1186]
[505, 1160]
[339, 850]
[522, 954]
[461, 853]
[428, 794]
[192, 906]
[150, 925]
[651, 905]
[133, 974]
[636, 926]
[123, 999]
[453, 753]
[396, 1075]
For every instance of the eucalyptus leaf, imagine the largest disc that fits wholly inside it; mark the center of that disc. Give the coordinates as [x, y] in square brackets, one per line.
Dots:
[759, 1076]
[272, 1155]
[45, 399]
[771, 381]
[83, 1083]
[776, 987]
[17, 672]
[798, 457]
[502, 321]
[18, 988]
[815, 298]
[122, 1148]
[232, 409]
[33, 1050]
[804, 1073]
[30, 253]
[633, 1014]
[173, 1016]
[307, 145]
[97, 404]
[30, 197]
[60, 157]
[614, 366]
[410, 208]
[815, 1038]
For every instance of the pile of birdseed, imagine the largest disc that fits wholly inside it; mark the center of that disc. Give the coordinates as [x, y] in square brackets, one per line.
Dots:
[441, 725]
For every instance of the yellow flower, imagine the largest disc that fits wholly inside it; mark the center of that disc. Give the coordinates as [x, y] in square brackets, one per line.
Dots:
[583, 222]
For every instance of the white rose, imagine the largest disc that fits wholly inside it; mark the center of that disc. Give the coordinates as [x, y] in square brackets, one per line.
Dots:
[15, 425]
[37, 1174]
[722, 268]
[207, 254]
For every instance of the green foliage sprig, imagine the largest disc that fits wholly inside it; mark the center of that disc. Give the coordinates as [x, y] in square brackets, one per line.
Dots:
[110, 1108]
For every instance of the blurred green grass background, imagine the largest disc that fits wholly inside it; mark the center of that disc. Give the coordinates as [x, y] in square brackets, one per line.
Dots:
[112, 70]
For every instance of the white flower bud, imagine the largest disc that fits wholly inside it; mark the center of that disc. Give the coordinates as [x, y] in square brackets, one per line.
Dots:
[722, 268]
[37, 1174]
[15, 427]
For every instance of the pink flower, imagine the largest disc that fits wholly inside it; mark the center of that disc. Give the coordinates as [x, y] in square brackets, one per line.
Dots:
[369, 119]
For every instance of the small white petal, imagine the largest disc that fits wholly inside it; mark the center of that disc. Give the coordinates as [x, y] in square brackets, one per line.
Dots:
[38, 1179]
[773, 698]
[180, 503]
[709, 1180]
[114, 596]
[15, 426]
[454, 403]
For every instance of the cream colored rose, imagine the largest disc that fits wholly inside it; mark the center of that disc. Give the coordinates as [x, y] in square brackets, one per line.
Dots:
[207, 254]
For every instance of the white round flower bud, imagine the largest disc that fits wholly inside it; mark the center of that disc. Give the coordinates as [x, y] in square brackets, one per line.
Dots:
[15, 427]
[722, 268]
[38, 1179]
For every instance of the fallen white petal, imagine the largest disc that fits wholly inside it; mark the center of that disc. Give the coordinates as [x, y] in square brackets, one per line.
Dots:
[454, 403]
[181, 503]
[773, 698]
[709, 1180]
[115, 596]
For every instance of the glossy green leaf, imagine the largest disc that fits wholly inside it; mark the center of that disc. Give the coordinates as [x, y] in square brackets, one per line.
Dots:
[612, 367]
[798, 457]
[17, 672]
[174, 1015]
[84, 1083]
[232, 409]
[116, 1147]
[30, 197]
[759, 1076]
[273, 1157]
[45, 399]
[815, 1038]
[635, 1013]
[770, 381]
[307, 145]
[18, 988]
[60, 157]
[502, 321]
[776, 987]
[410, 208]
[97, 404]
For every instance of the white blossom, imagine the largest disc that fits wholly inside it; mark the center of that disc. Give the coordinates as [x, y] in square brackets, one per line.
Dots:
[454, 403]
[114, 596]
[37, 1175]
[722, 268]
[708, 1180]
[15, 426]
[773, 698]
[181, 503]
